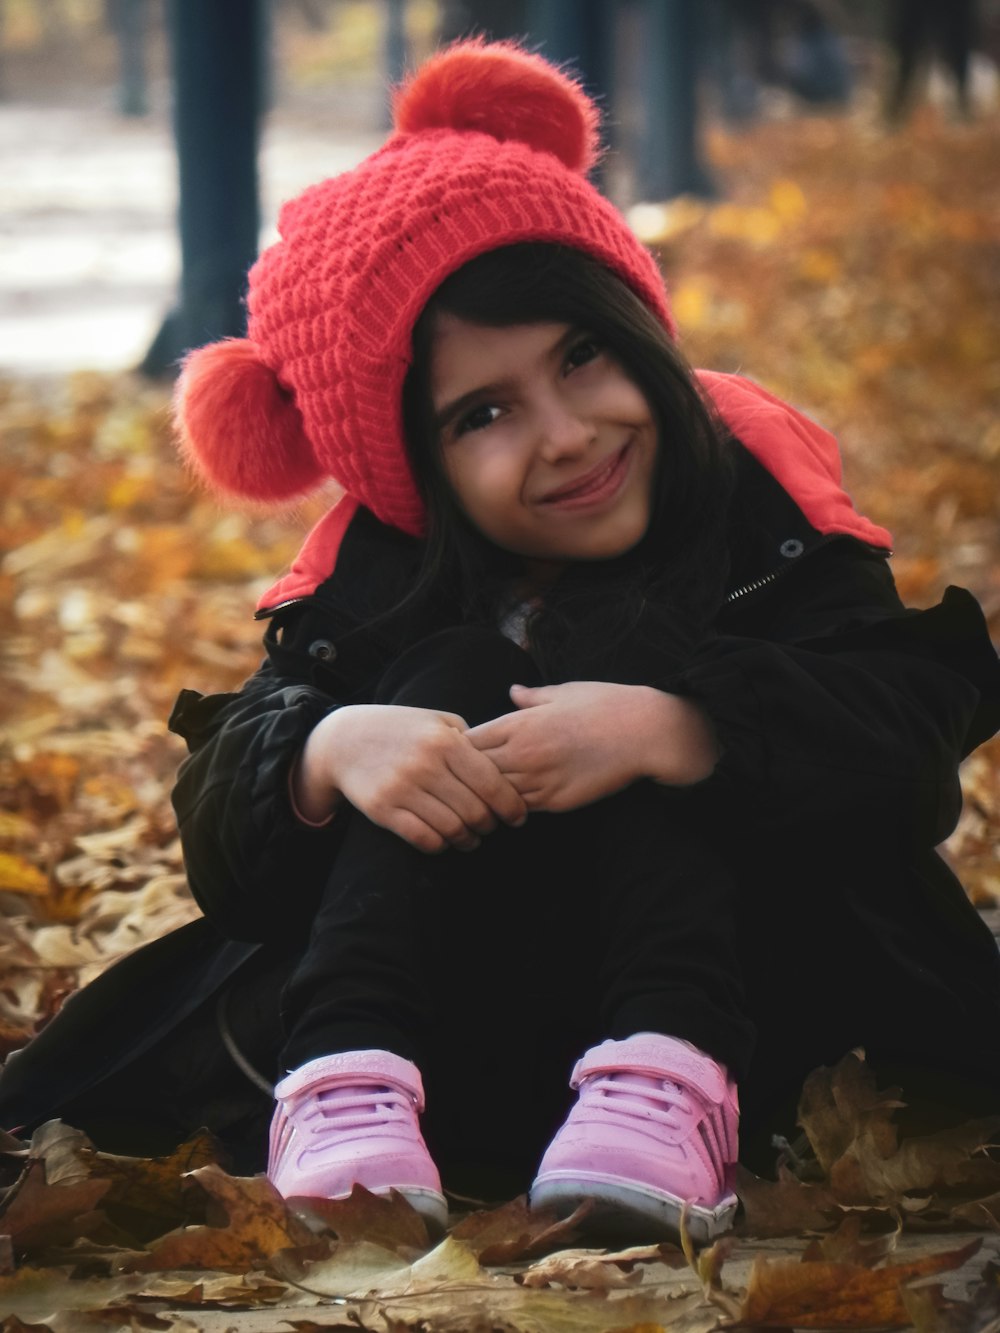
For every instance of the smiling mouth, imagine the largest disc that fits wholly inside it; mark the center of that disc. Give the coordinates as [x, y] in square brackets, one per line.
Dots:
[594, 486]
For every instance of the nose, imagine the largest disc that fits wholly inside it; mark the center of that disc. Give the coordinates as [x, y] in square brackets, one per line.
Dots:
[563, 432]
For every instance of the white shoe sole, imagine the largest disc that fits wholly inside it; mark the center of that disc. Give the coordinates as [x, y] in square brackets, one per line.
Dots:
[632, 1209]
[431, 1206]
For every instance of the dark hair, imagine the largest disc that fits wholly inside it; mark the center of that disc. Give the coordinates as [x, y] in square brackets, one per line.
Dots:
[677, 571]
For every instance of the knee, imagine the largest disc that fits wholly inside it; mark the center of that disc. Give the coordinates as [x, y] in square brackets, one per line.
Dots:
[467, 670]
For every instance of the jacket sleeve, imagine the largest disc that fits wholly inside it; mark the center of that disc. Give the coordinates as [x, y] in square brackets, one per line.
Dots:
[253, 866]
[245, 850]
[848, 710]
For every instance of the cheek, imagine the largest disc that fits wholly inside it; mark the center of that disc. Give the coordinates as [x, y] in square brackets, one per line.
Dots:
[482, 476]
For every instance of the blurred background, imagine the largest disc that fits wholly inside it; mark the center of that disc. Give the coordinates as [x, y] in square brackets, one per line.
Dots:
[820, 180]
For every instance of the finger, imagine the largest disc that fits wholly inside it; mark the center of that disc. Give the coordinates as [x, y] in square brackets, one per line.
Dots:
[489, 734]
[465, 803]
[482, 776]
[440, 816]
[417, 832]
[530, 696]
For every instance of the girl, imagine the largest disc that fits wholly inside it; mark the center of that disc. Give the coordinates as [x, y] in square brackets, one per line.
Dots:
[591, 728]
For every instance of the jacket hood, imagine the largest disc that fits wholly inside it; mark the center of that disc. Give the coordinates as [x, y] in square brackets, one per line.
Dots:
[801, 456]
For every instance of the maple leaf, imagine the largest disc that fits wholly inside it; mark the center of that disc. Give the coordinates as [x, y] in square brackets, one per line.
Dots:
[515, 1231]
[258, 1224]
[823, 1294]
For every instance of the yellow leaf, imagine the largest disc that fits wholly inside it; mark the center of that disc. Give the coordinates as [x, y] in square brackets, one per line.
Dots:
[788, 201]
[691, 304]
[18, 875]
[16, 828]
[820, 266]
[759, 226]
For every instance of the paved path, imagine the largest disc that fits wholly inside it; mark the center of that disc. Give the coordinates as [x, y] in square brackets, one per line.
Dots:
[88, 253]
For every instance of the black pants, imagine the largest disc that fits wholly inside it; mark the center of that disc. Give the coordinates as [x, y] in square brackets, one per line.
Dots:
[494, 970]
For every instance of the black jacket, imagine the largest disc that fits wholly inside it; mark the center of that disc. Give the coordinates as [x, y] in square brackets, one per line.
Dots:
[835, 705]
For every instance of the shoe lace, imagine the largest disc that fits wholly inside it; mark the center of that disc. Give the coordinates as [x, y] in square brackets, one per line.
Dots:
[640, 1098]
[652, 1106]
[358, 1106]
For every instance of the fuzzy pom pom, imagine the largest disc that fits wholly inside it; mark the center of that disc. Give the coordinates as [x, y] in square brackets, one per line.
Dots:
[238, 429]
[500, 89]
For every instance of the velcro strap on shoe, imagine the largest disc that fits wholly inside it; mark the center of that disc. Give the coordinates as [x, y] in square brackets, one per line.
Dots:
[354, 1067]
[654, 1057]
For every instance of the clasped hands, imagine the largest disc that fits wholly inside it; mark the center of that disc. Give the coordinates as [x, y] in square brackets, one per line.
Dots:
[438, 783]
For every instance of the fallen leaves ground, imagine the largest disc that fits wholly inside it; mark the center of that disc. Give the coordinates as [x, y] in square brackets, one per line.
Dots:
[855, 273]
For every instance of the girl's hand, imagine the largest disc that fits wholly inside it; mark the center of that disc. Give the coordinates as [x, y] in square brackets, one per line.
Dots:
[572, 744]
[411, 770]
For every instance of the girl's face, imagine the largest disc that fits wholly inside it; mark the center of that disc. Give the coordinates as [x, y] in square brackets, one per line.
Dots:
[548, 444]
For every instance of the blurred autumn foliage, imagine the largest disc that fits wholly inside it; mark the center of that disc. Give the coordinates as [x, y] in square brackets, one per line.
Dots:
[852, 271]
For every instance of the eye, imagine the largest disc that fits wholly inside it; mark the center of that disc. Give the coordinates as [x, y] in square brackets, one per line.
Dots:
[583, 352]
[477, 419]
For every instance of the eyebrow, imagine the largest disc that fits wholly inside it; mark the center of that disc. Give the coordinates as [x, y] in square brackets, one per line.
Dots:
[495, 388]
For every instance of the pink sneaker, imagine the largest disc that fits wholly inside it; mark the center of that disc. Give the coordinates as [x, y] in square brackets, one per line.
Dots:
[652, 1134]
[351, 1119]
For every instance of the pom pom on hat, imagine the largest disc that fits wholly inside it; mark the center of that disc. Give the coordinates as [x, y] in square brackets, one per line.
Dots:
[239, 430]
[500, 89]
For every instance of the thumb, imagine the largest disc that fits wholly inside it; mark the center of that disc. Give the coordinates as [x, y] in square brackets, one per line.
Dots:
[529, 696]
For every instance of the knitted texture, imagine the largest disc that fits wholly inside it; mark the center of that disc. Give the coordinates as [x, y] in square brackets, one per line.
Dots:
[489, 150]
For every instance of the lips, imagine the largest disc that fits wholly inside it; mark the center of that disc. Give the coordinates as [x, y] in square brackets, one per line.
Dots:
[594, 486]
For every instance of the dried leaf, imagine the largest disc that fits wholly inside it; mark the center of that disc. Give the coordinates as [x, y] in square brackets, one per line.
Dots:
[781, 1294]
[145, 1196]
[581, 1269]
[846, 1246]
[393, 1222]
[19, 875]
[259, 1225]
[783, 1207]
[36, 1214]
[515, 1231]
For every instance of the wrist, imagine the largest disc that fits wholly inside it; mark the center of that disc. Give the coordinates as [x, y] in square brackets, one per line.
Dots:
[682, 747]
[312, 788]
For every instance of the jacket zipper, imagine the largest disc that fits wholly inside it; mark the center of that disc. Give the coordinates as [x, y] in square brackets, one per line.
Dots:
[766, 579]
[755, 585]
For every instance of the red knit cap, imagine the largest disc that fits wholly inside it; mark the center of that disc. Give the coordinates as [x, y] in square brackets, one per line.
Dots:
[490, 148]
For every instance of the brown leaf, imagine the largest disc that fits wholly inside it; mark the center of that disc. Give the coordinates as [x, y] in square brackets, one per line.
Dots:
[781, 1293]
[786, 1206]
[984, 1213]
[587, 1270]
[259, 1225]
[930, 1312]
[36, 1214]
[392, 1222]
[838, 1102]
[951, 1158]
[38, 1293]
[149, 1196]
[845, 1245]
[850, 1125]
[515, 1231]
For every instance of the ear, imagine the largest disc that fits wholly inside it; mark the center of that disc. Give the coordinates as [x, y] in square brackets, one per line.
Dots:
[238, 429]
